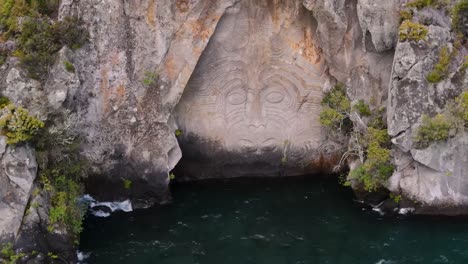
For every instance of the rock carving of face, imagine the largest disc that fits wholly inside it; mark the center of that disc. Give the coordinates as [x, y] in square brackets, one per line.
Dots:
[250, 90]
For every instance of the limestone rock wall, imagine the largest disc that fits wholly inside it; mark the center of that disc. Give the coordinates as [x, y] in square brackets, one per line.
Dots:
[18, 172]
[133, 72]
[434, 176]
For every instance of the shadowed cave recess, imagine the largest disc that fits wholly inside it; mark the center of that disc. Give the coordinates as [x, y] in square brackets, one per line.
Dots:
[251, 107]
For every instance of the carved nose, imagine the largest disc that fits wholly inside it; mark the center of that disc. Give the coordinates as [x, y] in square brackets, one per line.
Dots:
[255, 116]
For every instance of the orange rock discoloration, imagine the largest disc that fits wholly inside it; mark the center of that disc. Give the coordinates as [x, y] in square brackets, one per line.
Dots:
[171, 68]
[150, 12]
[182, 5]
[200, 31]
[104, 90]
[307, 47]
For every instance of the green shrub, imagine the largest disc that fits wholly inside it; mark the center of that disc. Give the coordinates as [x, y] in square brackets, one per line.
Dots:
[63, 187]
[459, 17]
[406, 15]
[362, 108]
[61, 168]
[460, 109]
[40, 40]
[69, 66]
[4, 101]
[432, 129]
[18, 126]
[150, 78]
[376, 119]
[8, 255]
[3, 57]
[395, 197]
[335, 109]
[441, 69]
[336, 99]
[127, 184]
[69, 32]
[464, 66]
[420, 4]
[331, 118]
[411, 31]
[377, 167]
[11, 11]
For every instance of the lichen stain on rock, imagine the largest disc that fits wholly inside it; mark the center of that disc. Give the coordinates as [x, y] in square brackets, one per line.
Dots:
[104, 90]
[182, 5]
[307, 48]
[150, 12]
[200, 30]
[171, 68]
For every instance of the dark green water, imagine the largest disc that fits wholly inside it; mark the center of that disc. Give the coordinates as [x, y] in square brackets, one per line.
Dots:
[272, 222]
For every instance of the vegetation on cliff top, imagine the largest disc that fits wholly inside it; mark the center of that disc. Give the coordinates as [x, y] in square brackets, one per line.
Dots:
[39, 38]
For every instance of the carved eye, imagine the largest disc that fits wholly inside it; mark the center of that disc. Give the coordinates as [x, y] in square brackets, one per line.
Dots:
[237, 97]
[274, 97]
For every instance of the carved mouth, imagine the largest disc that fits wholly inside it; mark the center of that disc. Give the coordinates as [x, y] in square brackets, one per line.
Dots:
[250, 146]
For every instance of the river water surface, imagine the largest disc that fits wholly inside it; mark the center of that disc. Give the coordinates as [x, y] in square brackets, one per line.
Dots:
[291, 220]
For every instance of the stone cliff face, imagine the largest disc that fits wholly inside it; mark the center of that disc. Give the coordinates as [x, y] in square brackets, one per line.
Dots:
[436, 175]
[233, 87]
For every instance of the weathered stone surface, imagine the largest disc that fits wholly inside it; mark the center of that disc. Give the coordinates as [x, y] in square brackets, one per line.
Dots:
[435, 176]
[438, 173]
[17, 174]
[63, 84]
[127, 132]
[380, 20]
[410, 94]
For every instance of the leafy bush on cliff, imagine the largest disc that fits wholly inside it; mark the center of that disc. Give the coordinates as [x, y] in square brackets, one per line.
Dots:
[362, 108]
[39, 37]
[64, 190]
[405, 15]
[40, 40]
[371, 146]
[411, 31]
[460, 17]
[335, 109]
[420, 4]
[8, 255]
[69, 67]
[377, 167]
[432, 129]
[61, 168]
[438, 128]
[11, 11]
[441, 69]
[18, 126]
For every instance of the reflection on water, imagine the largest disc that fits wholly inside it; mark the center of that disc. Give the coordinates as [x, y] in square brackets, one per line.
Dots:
[270, 221]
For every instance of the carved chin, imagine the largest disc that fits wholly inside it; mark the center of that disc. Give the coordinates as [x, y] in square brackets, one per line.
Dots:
[254, 139]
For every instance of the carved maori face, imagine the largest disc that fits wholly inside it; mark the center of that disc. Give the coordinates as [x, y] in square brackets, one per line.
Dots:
[253, 89]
